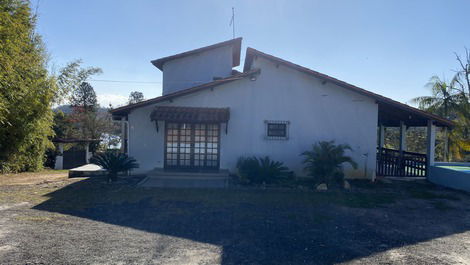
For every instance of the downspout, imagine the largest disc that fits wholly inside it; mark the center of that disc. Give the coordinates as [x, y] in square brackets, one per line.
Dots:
[125, 131]
[127, 136]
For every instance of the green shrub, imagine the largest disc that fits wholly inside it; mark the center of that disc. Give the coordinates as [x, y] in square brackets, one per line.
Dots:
[325, 162]
[51, 154]
[255, 170]
[114, 163]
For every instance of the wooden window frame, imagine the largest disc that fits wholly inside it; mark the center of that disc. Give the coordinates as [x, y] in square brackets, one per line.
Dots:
[191, 166]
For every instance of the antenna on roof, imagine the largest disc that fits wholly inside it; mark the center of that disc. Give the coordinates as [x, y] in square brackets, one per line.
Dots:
[232, 22]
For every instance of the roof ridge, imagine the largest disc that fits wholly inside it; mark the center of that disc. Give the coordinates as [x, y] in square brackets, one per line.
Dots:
[249, 59]
[236, 53]
[185, 91]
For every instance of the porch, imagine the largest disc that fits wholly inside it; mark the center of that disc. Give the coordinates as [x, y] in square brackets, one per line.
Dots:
[401, 162]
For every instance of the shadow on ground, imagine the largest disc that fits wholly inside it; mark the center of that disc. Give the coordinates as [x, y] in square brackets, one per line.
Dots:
[275, 226]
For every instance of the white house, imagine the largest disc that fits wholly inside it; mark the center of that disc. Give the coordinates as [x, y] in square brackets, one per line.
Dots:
[210, 115]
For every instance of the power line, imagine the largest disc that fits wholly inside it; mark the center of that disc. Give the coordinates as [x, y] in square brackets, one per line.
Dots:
[147, 82]
[124, 81]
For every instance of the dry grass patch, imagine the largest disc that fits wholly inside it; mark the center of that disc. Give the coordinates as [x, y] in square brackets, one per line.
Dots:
[30, 178]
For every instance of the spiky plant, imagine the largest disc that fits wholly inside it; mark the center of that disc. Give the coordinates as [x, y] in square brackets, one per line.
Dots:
[261, 170]
[325, 161]
[114, 163]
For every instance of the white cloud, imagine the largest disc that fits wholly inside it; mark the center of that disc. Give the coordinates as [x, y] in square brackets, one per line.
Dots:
[114, 99]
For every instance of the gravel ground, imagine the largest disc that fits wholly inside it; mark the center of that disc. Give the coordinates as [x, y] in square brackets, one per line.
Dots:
[85, 221]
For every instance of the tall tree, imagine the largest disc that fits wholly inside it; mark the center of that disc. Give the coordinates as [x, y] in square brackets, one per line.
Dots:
[84, 97]
[462, 77]
[26, 90]
[136, 97]
[71, 77]
[460, 135]
[86, 120]
[451, 100]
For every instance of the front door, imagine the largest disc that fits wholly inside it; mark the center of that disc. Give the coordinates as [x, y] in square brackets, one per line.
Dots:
[192, 146]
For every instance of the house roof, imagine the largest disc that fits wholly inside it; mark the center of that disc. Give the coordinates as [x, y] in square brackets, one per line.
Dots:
[236, 53]
[390, 111]
[190, 114]
[126, 109]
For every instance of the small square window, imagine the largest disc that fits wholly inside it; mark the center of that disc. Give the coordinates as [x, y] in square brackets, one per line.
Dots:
[277, 130]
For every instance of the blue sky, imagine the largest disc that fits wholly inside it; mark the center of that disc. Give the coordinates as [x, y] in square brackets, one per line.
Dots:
[388, 47]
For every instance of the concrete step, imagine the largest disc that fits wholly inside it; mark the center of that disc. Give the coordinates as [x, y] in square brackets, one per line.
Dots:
[161, 172]
[180, 179]
[187, 177]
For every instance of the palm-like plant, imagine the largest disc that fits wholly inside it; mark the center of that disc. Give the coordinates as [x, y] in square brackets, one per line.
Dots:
[261, 170]
[114, 163]
[448, 101]
[443, 100]
[325, 161]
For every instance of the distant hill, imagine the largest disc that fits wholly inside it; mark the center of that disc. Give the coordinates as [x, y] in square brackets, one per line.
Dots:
[67, 109]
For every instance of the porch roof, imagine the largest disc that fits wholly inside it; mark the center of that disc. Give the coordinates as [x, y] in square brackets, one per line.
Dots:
[190, 114]
[390, 115]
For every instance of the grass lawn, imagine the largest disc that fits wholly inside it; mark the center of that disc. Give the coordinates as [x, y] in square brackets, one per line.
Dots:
[53, 219]
[28, 178]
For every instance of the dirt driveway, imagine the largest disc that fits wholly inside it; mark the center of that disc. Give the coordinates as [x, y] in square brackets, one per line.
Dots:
[84, 221]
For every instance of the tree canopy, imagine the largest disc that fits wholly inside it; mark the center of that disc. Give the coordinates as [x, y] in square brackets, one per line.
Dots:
[136, 97]
[451, 99]
[26, 90]
[84, 96]
[71, 77]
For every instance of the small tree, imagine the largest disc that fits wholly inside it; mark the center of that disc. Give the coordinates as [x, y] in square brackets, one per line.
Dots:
[114, 163]
[325, 162]
[136, 97]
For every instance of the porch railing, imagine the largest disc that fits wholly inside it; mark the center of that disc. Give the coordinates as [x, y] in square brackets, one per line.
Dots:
[392, 162]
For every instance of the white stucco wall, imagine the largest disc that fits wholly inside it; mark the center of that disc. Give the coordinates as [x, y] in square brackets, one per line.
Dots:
[197, 69]
[315, 111]
[59, 159]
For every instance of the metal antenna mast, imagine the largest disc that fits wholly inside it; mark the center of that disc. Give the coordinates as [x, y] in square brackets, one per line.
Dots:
[232, 22]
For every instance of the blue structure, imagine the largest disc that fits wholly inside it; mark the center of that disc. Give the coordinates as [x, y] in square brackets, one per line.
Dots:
[451, 175]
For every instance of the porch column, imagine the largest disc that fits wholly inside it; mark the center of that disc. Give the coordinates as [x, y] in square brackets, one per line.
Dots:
[87, 153]
[59, 159]
[431, 142]
[402, 136]
[446, 145]
[381, 136]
